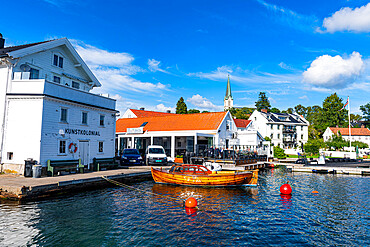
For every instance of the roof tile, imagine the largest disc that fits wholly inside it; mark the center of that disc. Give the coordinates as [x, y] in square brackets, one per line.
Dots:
[354, 131]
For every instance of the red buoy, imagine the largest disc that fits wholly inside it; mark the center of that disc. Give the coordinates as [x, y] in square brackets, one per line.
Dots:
[191, 211]
[191, 202]
[286, 189]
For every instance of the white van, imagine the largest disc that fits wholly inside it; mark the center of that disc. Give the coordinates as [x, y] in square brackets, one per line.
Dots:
[155, 155]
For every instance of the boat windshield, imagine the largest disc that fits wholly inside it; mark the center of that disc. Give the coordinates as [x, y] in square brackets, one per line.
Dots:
[156, 151]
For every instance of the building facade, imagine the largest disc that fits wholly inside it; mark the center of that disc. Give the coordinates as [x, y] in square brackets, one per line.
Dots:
[177, 133]
[46, 108]
[284, 129]
[357, 134]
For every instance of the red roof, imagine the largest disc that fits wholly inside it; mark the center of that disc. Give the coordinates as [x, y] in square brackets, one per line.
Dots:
[354, 131]
[241, 123]
[173, 122]
[142, 113]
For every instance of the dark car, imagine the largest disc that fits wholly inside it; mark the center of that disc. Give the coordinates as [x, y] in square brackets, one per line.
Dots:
[131, 157]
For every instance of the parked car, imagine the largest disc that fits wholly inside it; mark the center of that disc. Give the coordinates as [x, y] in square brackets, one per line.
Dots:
[131, 157]
[155, 155]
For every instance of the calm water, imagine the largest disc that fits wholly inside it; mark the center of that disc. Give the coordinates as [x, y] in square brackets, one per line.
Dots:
[338, 216]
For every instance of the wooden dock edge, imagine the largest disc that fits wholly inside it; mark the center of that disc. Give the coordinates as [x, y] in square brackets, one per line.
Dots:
[329, 169]
[32, 193]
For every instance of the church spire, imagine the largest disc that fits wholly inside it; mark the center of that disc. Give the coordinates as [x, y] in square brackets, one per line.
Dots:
[228, 101]
[228, 89]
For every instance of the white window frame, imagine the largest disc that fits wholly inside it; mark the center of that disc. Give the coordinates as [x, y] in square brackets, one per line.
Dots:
[61, 112]
[59, 56]
[100, 120]
[100, 151]
[65, 146]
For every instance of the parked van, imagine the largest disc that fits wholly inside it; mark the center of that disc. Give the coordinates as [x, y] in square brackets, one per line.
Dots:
[155, 155]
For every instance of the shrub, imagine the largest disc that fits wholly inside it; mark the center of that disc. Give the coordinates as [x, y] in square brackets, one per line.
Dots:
[279, 153]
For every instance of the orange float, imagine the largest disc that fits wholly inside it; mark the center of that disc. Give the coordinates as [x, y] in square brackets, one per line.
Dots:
[191, 202]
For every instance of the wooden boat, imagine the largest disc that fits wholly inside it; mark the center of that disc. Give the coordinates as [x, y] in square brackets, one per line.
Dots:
[199, 175]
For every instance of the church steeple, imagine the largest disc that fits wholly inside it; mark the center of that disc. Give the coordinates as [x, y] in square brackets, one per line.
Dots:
[228, 101]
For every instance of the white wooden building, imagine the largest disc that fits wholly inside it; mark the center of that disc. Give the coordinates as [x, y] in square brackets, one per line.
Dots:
[357, 134]
[46, 108]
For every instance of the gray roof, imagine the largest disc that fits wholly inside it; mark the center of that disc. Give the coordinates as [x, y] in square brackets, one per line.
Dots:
[4, 51]
[283, 118]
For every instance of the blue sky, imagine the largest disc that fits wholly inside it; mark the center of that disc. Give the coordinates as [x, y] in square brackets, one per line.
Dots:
[150, 53]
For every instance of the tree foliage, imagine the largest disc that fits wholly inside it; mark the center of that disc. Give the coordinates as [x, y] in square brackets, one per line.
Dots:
[190, 111]
[279, 153]
[241, 113]
[301, 110]
[275, 110]
[332, 113]
[366, 111]
[262, 102]
[289, 110]
[313, 146]
[181, 107]
[359, 144]
[337, 142]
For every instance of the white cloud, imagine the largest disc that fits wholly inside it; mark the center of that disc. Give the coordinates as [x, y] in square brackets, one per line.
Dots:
[245, 76]
[348, 19]
[154, 66]
[163, 108]
[334, 72]
[114, 70]
[303, 97]
[203, 103]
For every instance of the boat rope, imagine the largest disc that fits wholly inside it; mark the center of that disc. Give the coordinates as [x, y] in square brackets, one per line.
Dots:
[143, 191]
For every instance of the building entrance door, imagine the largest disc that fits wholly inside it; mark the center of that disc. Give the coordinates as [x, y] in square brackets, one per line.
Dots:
[84, 153]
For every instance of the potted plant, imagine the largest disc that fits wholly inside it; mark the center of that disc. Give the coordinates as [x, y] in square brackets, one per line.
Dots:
[179, 159]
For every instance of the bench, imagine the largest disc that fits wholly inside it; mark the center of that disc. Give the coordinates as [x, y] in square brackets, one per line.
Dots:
[55, 166]
[104, 163]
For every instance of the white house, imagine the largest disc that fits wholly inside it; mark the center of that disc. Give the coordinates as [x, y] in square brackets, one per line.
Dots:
[357, 134]
[177, 133]
[134, 113]
[285, 130]
[46, 108]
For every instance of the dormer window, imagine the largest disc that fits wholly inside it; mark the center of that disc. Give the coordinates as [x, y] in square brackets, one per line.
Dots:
[58, 61]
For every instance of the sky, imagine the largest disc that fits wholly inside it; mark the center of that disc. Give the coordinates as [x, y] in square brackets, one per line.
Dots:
[150, 53]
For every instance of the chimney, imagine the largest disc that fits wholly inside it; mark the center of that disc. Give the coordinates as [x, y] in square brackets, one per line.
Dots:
[264, 110]
[142, 109]
[2, 41]
[168, 111]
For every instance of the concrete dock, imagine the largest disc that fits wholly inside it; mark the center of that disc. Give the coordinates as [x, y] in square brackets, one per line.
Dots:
[23, 188]
[329, 168]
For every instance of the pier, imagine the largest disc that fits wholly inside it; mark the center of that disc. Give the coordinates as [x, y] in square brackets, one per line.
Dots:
[362, 169]
[23, 188]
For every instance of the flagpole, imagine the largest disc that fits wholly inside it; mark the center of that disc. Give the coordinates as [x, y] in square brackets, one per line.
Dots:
[349, 126]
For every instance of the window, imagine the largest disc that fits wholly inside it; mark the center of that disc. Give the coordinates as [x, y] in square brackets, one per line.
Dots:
[62, 147]
[10, 155]
[101, 120]
[301, 128]
[272, 126]
[63, 115]
[101, 147]
[278, 136]
[272, 136]
[302, 137]
[75, 84]
[278, 127]
[58, 61]
[84, 118]
[179, 144]
[34, 73]
[56, 79]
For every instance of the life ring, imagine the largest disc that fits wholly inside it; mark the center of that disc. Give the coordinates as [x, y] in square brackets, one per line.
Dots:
[72, 147]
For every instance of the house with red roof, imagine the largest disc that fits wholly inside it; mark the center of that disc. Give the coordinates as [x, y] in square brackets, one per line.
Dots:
[134, 113]
[177, 133]
[248, 136]
[357, 134]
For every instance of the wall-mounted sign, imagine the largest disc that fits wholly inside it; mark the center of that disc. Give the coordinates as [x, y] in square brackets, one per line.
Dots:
[139, 130]
[82, 132]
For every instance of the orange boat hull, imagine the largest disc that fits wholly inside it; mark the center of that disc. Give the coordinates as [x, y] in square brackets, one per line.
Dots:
[216, 179]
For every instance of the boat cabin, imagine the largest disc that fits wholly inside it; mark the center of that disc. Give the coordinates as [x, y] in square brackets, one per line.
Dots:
[190, 169]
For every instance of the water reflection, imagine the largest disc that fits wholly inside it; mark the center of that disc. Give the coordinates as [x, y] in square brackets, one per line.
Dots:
[338, 215]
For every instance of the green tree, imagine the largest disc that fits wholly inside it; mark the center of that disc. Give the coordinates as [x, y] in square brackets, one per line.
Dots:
[313, 114]
[337, 142]
[313, 146]
[181, 107]
[241, 113]
[366, 111]
[332, 113]
[275, 110]
[279, 153]
[263, 102]
[190, 111]
[301, 110]
[359, 144]
[355, 118]
[289, 110]
[205, 111]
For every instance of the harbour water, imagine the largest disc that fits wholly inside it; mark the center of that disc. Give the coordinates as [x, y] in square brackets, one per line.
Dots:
[339, 215]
